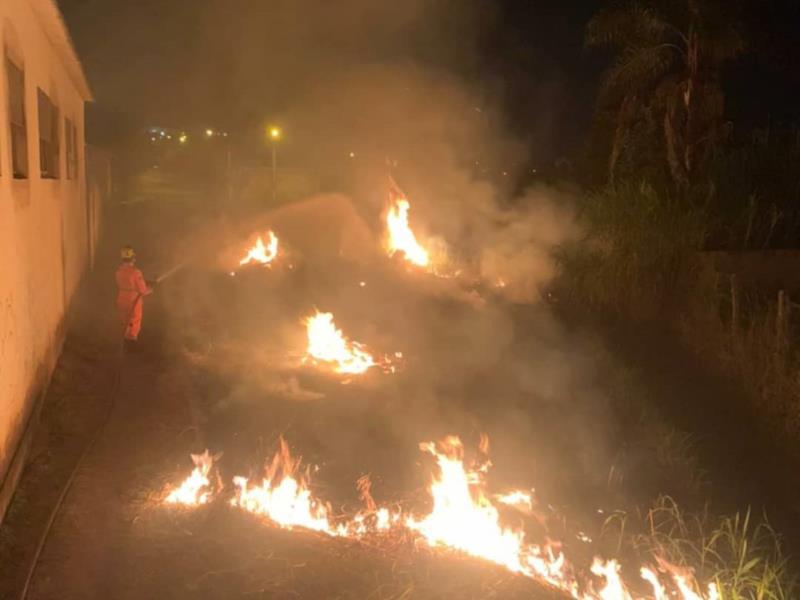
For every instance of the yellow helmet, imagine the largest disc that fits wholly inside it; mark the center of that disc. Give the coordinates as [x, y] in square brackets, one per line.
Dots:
[127, 253]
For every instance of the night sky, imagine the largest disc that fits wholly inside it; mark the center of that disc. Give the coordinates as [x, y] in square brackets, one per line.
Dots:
[189, 64]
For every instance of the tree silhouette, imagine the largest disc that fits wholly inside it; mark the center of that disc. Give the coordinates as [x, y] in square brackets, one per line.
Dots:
[669, 55]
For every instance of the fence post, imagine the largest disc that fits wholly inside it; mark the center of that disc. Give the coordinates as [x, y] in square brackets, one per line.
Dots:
[787, 323]
[782, 322]
[734, 305]
[779, 322]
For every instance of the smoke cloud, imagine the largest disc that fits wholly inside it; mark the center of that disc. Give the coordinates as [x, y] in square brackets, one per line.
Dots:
[365, 90]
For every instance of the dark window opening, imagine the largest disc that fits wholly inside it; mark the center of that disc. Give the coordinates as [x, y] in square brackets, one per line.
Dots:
[19, 130]
[71, 139]
[48, 136]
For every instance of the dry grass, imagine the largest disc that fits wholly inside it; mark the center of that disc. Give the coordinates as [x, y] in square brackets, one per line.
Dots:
[741, 554]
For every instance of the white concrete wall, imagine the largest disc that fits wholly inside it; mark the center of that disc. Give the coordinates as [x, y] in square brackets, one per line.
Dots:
[44, 241]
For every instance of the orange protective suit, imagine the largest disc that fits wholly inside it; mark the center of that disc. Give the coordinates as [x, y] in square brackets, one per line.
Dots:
[131, 289]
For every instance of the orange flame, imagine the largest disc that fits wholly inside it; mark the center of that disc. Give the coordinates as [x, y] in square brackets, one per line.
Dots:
[614, 588]
[659, 593]
[401, 237]
[196, 489]
[285, 498]
[329, 345]
[283, 495]
[261, 253]
[458, 498]
[462, 518]
[516, 498]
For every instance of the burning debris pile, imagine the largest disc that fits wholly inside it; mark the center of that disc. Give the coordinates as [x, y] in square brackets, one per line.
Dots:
[463, 518]
[329, 346]
[400, 238]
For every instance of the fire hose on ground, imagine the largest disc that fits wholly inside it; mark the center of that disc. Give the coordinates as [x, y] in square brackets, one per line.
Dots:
[89, 446]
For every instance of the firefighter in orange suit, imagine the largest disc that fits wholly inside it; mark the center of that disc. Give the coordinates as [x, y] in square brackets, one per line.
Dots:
[131, 290]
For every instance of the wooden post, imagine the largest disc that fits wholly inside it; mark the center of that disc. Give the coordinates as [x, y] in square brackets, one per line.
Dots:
[787, 324]
[787, 313]
[734, 304]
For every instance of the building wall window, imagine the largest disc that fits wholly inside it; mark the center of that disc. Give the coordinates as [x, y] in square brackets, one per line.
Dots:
[48, 137]
[18, 124]
[71, 139]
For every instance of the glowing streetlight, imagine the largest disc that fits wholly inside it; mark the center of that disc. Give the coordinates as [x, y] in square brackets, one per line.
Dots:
[274, 133]
[209, 132]
[183, 138]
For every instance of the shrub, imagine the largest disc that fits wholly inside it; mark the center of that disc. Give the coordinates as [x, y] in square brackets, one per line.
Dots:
[637, 249]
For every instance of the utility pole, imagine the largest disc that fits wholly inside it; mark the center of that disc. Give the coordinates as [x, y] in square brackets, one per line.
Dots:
[229, 177]
[274, 172]
[275, 135]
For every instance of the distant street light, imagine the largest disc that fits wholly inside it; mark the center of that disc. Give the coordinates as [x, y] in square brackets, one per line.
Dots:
[209, 132]
[183, 138]
[274, 135]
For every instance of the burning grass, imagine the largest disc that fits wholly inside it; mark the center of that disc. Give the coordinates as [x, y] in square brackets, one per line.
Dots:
[196, 489]
[232, 554]
[464, 518]
[400, 237]
[283, 495]
[401, 241]
[734, 560]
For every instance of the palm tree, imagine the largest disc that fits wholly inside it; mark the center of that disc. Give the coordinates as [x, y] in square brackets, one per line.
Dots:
[669, 54]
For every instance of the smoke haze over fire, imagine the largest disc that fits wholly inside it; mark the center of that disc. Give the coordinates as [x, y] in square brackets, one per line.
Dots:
[374, 237]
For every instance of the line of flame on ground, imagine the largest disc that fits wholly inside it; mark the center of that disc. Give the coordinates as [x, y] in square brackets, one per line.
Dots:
[283, 496]
[463, 518]
[261, 253]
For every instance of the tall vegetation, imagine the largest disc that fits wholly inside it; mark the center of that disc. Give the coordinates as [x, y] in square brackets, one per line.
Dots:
[741, 554]
[681, 180]
[756, 199]
[666, 71]
[634, 256]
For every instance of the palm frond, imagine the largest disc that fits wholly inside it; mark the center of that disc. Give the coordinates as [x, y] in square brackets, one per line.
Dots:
[638, 69]
[718, 25]
[629, 24]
